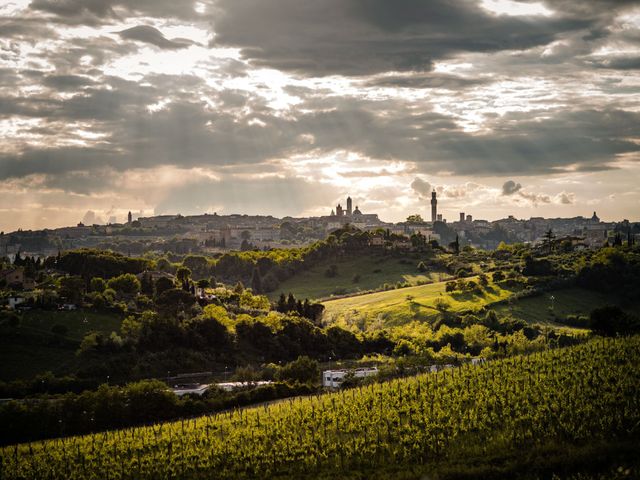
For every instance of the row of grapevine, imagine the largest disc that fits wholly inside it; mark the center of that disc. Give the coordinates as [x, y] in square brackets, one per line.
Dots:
[574, 394]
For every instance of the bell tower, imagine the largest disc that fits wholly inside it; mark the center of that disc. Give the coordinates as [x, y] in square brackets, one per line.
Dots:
[434, 207]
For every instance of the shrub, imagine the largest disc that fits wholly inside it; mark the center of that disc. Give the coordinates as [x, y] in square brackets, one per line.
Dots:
[441, 304]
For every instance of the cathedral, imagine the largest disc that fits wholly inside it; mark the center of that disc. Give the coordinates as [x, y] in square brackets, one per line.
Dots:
[348, 212]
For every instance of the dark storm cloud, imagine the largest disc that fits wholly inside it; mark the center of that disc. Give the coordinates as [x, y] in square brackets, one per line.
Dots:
[149, 34]
[359, 37]
[101, 11]
[55, 160]
[67, 82]
[28, 28]
[187, 133]
[620, 63]
[510, 187]
[448, 82]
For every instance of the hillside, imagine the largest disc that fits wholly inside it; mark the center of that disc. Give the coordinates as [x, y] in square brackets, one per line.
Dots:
[356, 273]
[31, 347]
[577, 302]
[570, 410]
[400, 306]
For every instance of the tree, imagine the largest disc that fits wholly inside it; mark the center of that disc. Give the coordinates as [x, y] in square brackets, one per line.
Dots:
[617, 240]
[415, 218]
[97, 284]
[173, 301]
[303, 370]
[441, 304]
[71, 288]
[291, 303]
[183, 274]
[256, 281]
[146, 284]
[282, 304]
[126, 284]
[455, 246]
[163, 284]
[610, 321]
[547, 240]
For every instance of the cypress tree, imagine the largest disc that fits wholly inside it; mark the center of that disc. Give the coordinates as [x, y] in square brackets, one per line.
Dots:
[256, 281]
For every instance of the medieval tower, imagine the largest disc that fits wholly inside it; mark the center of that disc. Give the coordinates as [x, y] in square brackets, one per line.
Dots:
[434, 207]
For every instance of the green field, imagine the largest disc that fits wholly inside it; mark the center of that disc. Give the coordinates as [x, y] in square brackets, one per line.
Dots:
[373, 270]
[569, 301]
[31, 348]
[400, 306]
[562, 411]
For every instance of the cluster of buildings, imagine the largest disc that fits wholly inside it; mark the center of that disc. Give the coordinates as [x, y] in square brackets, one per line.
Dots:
[213, 232]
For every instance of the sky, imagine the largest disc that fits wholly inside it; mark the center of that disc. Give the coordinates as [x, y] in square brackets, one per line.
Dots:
[285, 107]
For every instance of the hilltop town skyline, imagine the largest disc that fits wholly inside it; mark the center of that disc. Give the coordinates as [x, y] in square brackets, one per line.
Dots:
[512, 200]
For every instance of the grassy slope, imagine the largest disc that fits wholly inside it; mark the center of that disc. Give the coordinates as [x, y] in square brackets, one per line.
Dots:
[31, 348]
[576, 301]
[314, 284]
[393, 307]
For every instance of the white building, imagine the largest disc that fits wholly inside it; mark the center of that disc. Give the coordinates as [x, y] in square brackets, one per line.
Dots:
[334, 378]
[15, 301]
[190, 389]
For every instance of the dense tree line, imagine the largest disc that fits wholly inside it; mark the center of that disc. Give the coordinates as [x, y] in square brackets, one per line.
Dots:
[113, 407]
[89, 263]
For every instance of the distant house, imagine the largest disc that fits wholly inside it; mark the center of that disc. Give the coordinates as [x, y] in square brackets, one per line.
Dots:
[334, 378]
[15, 277]
[14, 301]
[376, 241]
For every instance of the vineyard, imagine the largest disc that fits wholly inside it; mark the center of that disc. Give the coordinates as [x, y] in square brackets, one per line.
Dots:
[587, 393]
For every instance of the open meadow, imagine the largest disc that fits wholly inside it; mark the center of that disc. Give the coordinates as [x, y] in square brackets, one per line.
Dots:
[400, 306]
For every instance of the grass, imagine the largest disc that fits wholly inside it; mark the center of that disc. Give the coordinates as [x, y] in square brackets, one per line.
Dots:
[401, 306]
[373, 271]
[78, 323]
[30, 348]
[570, 301]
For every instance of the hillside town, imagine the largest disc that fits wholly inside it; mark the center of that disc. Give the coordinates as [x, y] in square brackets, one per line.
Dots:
[211, 233]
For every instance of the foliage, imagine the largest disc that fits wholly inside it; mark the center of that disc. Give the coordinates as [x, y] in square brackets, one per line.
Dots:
[610, 321]
[90, 263]
[126, 284]
[302, 370]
